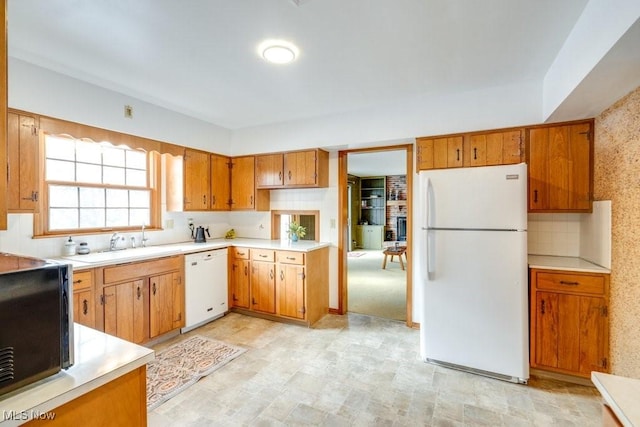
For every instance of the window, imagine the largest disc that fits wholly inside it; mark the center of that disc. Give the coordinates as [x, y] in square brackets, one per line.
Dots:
[280, 224]
[95, 186]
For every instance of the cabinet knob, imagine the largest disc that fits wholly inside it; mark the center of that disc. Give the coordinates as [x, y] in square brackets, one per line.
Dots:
[542, 307]
[85, 307]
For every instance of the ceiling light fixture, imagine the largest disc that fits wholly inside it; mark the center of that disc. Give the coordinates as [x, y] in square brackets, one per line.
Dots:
[278, 51]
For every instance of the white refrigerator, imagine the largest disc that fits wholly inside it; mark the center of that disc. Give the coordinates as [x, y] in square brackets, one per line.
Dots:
[471, 269]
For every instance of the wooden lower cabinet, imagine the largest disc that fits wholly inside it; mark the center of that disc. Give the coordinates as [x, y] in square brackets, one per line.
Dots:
[239, 277]
[83, 298]
[124, 306]
[120, 402]
[141, 300]
[569, 322]
[283, 285]
[263, 281]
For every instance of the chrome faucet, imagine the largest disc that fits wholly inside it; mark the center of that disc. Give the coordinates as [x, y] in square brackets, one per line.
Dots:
[143, 239]
[114, 241]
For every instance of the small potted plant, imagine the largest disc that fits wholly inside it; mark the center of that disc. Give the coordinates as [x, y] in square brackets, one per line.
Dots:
[296, 231]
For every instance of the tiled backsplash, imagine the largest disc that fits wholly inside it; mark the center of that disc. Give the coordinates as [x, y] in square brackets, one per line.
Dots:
[581, 235]
[554, 234]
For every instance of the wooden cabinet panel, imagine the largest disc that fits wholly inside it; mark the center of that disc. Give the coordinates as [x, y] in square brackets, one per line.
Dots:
[439, 153]
[243, 183]
[267, 255]
[83, 298]
[290, 257]
[478, 155]
[124, 307]
[560, 168]
[269, 170]
[425, 153]
[240, 253]
[263, 286]
[123, 272]
[161, 304]
[22, 163]
[291, 285]
[83, 310]
[300, 168]
[220, 182]
[239, 283]
[497, 148]
[197, 185]
[569, 324]
[571, 283]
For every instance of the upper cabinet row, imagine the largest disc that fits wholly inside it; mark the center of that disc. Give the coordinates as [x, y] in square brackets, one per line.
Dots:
[215, 182]
[559, 158]
[293, 169]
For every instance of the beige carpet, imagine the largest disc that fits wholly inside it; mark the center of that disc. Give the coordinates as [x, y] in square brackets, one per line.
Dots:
[374, 291]
[181, 365]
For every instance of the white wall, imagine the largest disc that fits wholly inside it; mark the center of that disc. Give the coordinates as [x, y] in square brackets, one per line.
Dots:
[45, 92]
[601, 25]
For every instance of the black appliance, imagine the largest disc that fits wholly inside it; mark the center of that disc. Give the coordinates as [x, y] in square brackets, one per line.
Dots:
[36, 320]
[199, 234]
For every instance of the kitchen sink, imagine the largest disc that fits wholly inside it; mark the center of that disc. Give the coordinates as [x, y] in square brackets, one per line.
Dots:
[122, 254]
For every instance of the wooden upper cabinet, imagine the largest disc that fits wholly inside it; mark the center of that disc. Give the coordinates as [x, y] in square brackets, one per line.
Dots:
[560, 162]
[244, 195]
[440, 153]
[497, 148]
[22, 163]
[197, 186]
[220, 182]
[307, 168]
[269, 170]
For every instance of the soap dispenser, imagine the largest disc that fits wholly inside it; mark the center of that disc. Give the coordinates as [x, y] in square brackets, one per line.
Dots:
[69, 247]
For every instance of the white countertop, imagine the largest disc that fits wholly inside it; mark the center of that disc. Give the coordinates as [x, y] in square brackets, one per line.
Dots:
[97, 259]
[621, 394]
[565, 263]
[99, 359]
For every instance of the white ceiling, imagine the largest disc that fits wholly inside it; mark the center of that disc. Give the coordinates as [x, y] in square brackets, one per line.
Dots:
[198, 57]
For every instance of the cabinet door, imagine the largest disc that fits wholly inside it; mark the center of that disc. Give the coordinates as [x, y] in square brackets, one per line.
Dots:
[22, 163]
[269, 171]
[300, 168]
[83, 310]
[546, 329]
[124, 310]
[263, 286]
[560, 168]
[196, 180]
[593, 335]
[478, 153]
[243, 183]
[425, 153]
[166, 302]
[359, 236]
[447, 152]
[290, 295]
[239, 279]
[220, 183]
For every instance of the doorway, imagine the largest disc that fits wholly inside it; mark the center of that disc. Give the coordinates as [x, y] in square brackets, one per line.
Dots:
[376, 202]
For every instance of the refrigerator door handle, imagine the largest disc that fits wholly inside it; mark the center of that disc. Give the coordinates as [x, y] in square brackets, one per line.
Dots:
[431, 254]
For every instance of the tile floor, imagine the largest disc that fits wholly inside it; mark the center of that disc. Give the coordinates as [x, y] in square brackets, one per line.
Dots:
[361, 371]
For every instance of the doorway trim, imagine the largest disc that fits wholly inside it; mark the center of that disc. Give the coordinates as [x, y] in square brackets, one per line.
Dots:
[343, 212]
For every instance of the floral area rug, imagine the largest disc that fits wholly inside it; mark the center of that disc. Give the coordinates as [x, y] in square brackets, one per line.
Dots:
[183, 364]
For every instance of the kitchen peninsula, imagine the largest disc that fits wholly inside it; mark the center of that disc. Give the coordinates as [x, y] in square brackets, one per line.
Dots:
[108, 377]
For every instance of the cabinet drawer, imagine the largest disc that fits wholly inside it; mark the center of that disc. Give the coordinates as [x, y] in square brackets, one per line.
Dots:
[131, 271]
[571, 282]
[290, 257]
[239, 253]
[263, 255]
[82, 280]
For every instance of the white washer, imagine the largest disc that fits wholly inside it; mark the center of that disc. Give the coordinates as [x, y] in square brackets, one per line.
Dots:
[206, 294]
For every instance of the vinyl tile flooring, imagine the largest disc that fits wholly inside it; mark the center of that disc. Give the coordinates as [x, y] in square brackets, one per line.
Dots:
[357, 370]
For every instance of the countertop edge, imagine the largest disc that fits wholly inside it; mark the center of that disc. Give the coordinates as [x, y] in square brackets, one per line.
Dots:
[183, 248]
[550, 262]
[597, 379]
[54, 391]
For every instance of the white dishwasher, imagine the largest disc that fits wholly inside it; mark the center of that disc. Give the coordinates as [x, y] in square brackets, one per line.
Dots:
[205, 287]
